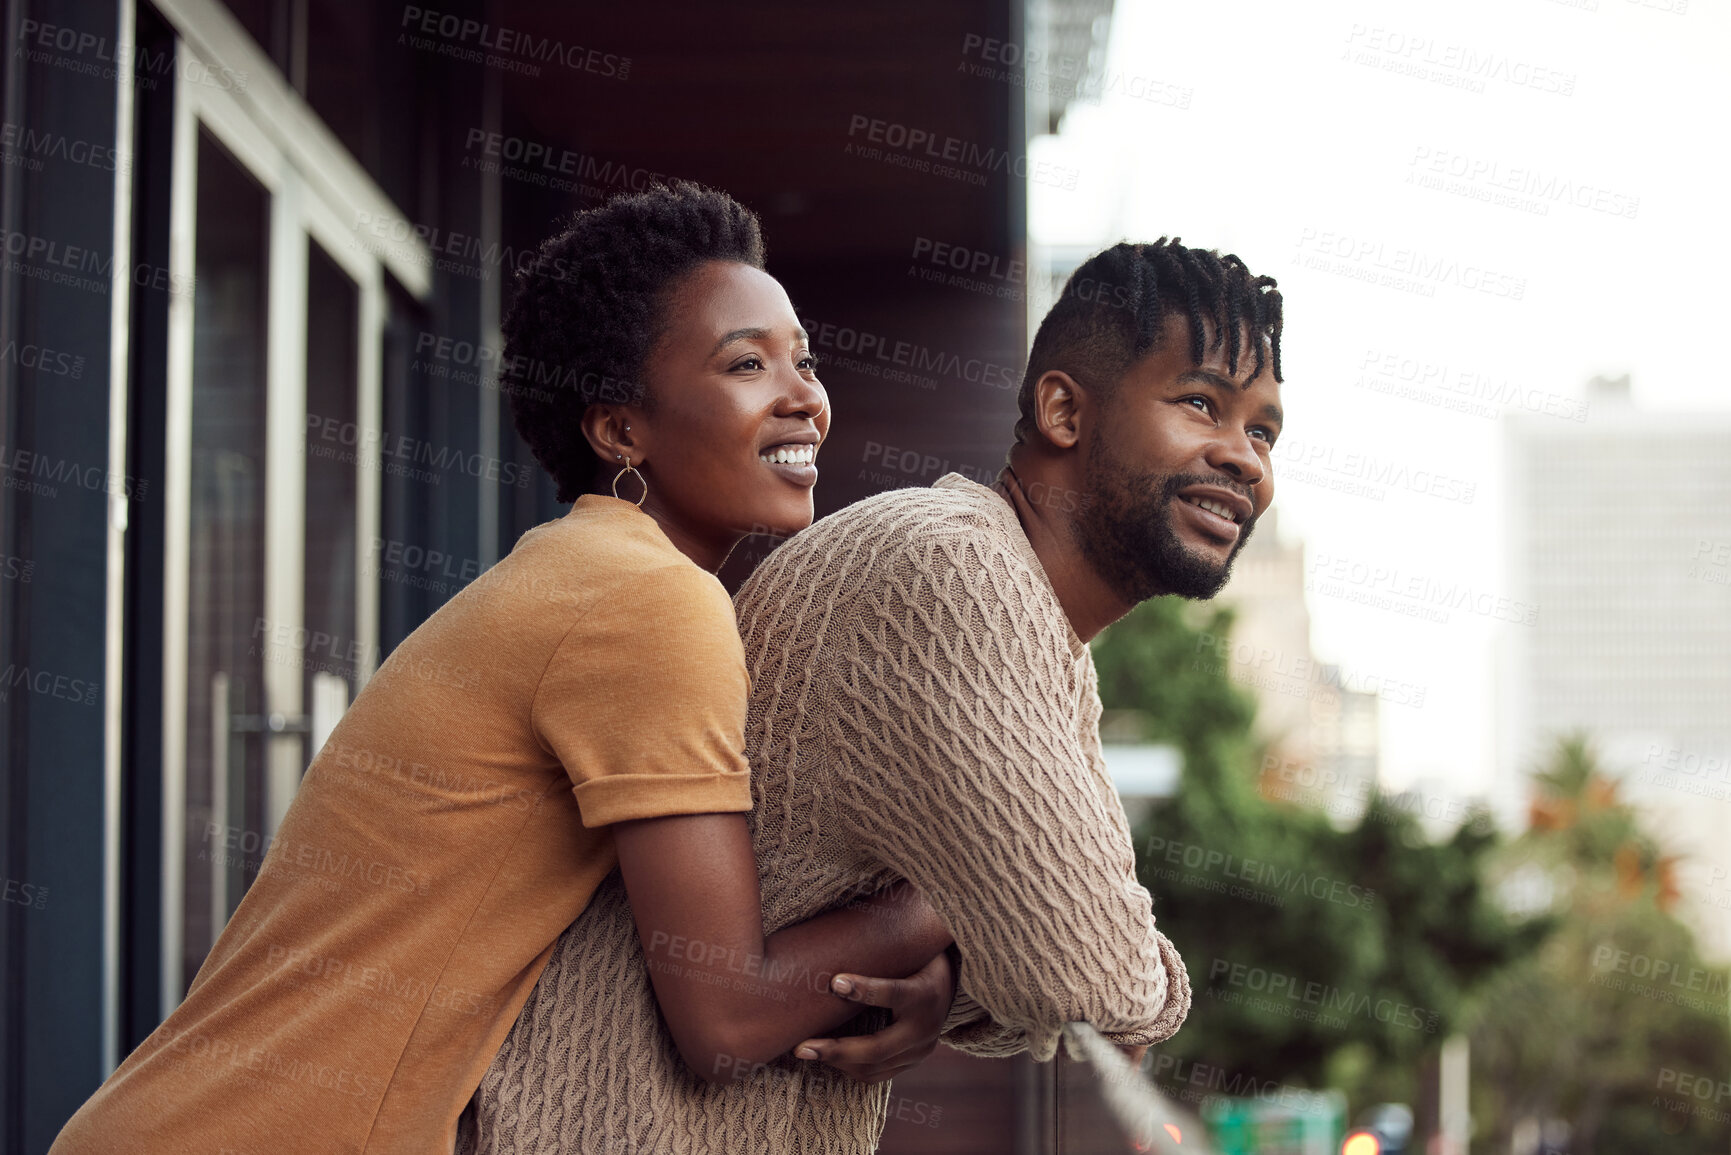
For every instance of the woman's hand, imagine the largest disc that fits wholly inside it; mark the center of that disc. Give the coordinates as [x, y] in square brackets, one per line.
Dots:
[920, 1003]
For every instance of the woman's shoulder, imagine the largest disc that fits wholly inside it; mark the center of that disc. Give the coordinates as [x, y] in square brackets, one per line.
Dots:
[622, 560]
[612, 541]
[603, 564]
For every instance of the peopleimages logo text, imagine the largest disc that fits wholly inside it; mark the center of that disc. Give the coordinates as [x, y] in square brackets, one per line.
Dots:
[910, 355]
[931, 146]
[510, 42]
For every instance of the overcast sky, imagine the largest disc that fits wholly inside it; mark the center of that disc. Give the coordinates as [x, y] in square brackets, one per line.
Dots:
[1313, 141]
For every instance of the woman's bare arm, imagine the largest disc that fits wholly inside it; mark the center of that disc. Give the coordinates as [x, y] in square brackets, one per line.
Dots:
[733, 998]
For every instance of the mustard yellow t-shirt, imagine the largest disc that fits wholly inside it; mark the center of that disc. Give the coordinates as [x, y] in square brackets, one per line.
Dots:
[453, 825]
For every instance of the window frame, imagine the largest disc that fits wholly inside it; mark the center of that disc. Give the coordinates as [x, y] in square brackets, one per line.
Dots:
[227, 87]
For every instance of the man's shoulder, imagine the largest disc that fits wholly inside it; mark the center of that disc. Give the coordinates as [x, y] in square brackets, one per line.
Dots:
[903, 520]
[902, 539]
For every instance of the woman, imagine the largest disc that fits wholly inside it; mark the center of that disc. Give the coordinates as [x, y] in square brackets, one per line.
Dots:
[579, 706]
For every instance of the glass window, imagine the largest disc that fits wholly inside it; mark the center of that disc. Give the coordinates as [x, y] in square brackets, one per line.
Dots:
[333, 395]
[229, 638]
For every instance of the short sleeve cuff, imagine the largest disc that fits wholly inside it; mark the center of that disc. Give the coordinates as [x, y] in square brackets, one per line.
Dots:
[627, 797]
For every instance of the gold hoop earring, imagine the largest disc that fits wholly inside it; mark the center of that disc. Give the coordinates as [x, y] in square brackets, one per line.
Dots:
[640, 481]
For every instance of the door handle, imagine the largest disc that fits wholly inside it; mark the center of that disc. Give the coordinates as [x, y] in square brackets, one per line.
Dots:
[270, 724]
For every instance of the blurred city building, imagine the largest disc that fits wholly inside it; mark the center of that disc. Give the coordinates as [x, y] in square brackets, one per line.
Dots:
[1619, 532]
[1317, 719]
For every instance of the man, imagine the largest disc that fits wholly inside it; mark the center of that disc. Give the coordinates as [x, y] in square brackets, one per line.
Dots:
[924, 706]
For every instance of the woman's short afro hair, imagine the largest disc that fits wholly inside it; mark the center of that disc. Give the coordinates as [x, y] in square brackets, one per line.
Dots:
[587, 310]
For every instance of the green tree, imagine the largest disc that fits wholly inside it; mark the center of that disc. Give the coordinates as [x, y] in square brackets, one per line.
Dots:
[1318, 957]
[1617, 1019]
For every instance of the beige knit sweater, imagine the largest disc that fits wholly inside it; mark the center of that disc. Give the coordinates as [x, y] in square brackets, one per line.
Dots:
[920, 709]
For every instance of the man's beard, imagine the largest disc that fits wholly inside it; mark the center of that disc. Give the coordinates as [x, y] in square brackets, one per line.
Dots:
[1126, 531]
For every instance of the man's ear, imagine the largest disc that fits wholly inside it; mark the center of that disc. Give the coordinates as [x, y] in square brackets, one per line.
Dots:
[609, 431]
[1058, 403]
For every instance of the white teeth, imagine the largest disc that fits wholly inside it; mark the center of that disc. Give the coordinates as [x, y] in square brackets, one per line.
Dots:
[1213, 507]
[790, 455]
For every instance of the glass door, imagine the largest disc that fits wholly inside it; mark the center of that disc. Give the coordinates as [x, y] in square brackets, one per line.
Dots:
[273, 464]
[228, 639]
[333, 490]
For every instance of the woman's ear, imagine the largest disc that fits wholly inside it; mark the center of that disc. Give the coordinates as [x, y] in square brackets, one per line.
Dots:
[609, 432]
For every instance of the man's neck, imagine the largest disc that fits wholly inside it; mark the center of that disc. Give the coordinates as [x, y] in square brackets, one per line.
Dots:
[1088, 602]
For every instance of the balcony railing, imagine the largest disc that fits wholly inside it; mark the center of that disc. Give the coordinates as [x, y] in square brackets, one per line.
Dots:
[1094, 1103]
[1103, 1100]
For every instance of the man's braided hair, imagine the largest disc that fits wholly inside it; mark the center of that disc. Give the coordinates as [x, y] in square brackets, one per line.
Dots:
[1113, 306]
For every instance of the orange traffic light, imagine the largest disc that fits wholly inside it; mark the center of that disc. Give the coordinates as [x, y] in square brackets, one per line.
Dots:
[1361, 1143]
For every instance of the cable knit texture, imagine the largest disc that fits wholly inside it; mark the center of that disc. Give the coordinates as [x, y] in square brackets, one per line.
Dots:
[921, 709]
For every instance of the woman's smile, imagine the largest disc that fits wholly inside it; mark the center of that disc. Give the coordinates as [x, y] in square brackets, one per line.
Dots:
[793, 461]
